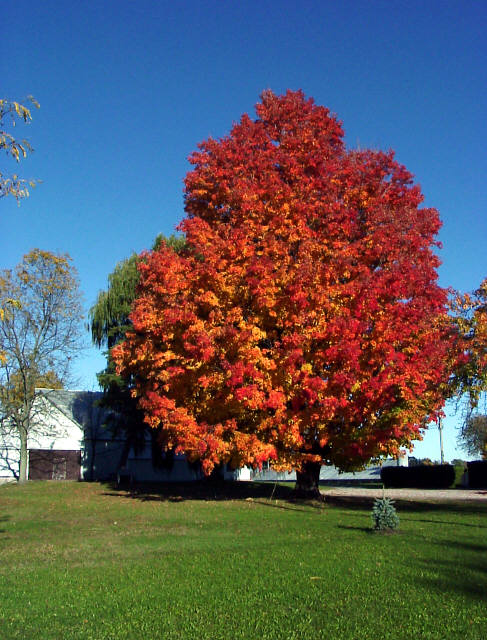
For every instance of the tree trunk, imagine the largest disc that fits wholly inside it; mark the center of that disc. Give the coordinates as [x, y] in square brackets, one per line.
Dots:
[307, 482]
[92, 460]
[23, 455]
[124, 456]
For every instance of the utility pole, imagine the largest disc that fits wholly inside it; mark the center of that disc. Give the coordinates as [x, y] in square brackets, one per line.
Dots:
[440, 429]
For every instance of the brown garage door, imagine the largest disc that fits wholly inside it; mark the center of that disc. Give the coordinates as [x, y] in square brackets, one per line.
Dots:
[54, 465]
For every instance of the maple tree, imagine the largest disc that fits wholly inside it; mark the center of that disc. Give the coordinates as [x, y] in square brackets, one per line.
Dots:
[303, 323]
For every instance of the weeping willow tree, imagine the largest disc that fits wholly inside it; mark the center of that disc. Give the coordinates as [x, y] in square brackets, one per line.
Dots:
[108, 322]
[109, 316]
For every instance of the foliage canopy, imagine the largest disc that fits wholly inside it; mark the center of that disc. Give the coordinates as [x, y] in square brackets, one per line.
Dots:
[303, 323]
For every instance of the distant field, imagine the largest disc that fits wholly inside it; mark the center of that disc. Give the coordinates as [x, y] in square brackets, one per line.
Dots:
[89, 562]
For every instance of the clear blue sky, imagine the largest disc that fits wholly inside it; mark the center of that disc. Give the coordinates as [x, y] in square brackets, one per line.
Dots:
[128, 88]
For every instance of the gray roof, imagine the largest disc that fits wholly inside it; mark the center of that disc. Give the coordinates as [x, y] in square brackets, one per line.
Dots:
[79, 406]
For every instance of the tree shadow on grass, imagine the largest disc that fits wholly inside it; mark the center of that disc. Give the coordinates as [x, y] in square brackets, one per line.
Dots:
[205, 490]
[465, 546]
[4, 518]
[265, 494]
[273, 495]
[292, 504]
[459, 567]
[355, 528]
[413, 507]
[454, 524]
[471, 580]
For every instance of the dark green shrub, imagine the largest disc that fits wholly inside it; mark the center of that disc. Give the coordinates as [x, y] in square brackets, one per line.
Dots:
[477, 474]
[436, 476]
[384, 515]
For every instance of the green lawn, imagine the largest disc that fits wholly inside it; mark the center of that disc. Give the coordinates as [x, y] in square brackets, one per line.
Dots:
[85, 561]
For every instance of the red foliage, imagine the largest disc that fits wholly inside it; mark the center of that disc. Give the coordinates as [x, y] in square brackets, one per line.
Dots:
[304, 322]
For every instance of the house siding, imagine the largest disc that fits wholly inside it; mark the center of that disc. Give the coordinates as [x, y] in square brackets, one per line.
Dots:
[69, 440]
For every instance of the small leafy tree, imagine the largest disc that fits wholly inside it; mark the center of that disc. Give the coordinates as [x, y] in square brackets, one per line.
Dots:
[473, 435]
[39, 336]
[469, 380]
[470, 373]
[10, 113]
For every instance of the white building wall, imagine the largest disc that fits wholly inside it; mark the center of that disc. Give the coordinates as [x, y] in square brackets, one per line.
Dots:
[9, 456]
[51, 430]
[55, 431]
[100, 452]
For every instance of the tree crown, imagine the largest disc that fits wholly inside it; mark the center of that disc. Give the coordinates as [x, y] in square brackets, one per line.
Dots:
[303, 322]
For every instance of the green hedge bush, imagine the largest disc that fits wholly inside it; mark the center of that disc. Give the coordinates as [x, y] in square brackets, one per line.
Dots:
[477, 474]
[435, 476]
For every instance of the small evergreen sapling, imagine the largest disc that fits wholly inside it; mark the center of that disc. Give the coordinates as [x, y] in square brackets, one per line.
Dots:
[384, 515]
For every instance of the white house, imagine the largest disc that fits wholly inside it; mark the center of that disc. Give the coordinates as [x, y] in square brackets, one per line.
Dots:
[70, 439]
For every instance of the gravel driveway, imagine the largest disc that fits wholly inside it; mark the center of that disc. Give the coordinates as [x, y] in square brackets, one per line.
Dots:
[414, 495]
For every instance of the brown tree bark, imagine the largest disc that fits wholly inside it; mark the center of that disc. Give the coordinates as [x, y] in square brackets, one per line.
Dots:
[307, 482]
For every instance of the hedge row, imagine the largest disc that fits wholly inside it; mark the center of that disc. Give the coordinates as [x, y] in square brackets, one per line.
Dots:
[436, 476]
[477, 474]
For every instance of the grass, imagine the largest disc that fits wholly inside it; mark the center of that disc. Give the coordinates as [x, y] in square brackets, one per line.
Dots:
[89, 562]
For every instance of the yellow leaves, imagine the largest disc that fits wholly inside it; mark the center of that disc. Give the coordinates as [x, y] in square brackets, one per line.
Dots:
[268, 364]
[234, 315]
[16, 304]
[23, 112]
[356, 197]
[258, 334]
[15, 108]
[364, 199]
[17, 149]
[209, 298]
[200, 192]
[14, 147]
